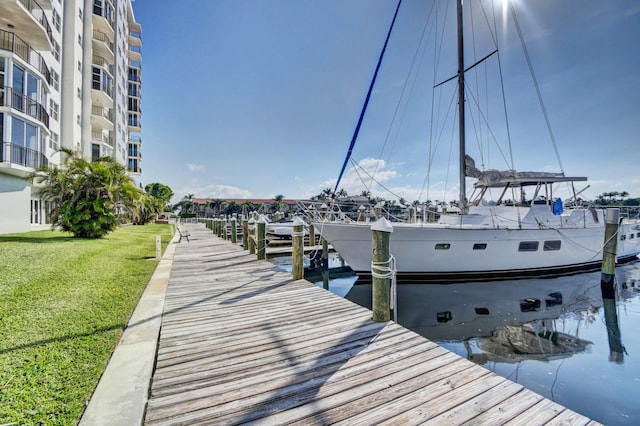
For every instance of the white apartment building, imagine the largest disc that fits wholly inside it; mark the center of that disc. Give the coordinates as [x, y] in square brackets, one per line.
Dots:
[70, 76]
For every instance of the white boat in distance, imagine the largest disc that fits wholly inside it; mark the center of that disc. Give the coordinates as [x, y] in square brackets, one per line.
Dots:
[490, 241]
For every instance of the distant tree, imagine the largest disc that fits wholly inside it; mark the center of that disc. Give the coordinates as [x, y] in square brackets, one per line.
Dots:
[216, 206]
[160, 191]
[278, 204]
[232, 208]
[186, 205]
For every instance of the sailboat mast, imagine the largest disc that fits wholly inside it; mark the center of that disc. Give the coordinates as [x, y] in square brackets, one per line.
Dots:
[461, 125]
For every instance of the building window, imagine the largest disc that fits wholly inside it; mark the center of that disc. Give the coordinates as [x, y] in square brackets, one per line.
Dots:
[24, 134]
[479, 246]
[54, 141]
[528, 246]
[54, 109]
[56, 50]
[552, 245]
[443, 246]
[55, 80]
[56, 20]
[95, 151]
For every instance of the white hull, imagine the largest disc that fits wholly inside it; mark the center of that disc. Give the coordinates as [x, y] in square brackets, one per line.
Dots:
[446, 251]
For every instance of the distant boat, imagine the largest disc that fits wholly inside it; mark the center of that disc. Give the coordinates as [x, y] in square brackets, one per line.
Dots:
[539, 237]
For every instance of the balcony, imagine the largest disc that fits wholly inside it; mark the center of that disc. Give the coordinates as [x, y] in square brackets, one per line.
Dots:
[134, 74]
[102, 139]
[134, 167]
[134, 123]
[102, 87]
[103, 17]
[102, 63]
[135, 53]
[135, 38]
[27, 19]
[18, 155]
[24, 104]
[101, 118]
[12, 43]
[103, 46]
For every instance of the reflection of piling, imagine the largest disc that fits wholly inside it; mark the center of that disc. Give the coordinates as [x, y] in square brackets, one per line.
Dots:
[380, 279]
[607, 285]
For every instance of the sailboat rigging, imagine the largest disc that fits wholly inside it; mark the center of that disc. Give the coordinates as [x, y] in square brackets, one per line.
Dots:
[508, 238]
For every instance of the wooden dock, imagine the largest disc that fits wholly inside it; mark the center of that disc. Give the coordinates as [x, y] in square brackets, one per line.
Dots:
[242, 342]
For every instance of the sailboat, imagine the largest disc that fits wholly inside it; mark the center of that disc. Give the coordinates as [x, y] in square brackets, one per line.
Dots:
[489, 241]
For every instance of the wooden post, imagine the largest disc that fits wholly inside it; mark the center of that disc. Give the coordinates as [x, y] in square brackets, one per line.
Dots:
[362, 217]
[325, 264]
[412, 215]
[312, 235]
[298, 249]
[381, 294]
[378, 210]
[610, 245]
[245, 234]
[252, 236]
[261, 238]
[234, 231]
[607, 284]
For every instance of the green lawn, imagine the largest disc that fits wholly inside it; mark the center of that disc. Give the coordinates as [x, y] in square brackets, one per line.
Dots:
[63, 305]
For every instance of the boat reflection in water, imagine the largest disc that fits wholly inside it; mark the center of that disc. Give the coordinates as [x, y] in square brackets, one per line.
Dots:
[512, 321]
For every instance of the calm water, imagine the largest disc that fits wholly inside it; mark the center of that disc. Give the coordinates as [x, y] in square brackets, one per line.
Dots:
[558, 337]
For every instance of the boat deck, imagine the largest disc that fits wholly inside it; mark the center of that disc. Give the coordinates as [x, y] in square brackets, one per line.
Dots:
[243, 342]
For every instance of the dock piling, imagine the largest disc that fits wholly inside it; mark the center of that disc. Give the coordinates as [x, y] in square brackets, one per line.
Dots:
[245, 234]
[298, 249]
[261, 226]
[380, 270]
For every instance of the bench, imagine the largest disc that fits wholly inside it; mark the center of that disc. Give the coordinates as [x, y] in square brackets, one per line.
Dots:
[183, 233]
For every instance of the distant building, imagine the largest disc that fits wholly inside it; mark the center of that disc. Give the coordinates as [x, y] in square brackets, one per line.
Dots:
[70, 77]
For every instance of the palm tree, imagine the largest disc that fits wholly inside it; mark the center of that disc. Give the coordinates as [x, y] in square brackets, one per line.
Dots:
[89, 198]
[278, 204]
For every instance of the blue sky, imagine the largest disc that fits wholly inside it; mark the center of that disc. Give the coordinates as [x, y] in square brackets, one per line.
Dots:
[253, 98]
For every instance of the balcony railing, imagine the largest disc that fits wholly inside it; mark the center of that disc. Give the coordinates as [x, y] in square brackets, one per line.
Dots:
[102, 62]
[101, 137]
[38, 13]
[102, 112]
[102, 37]
[22, 156]
[102, 81]
[13, 43]
[24, 104]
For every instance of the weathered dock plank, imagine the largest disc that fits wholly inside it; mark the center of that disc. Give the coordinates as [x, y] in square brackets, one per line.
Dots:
[241, 342]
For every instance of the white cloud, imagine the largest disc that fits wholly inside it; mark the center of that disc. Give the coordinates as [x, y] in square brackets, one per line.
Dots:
[195, 167]
[226, 191]
[200, 190]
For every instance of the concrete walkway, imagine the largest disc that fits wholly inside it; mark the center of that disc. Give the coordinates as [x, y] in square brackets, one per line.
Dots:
[121, 395]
